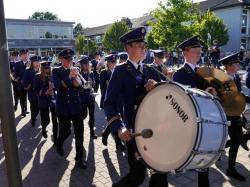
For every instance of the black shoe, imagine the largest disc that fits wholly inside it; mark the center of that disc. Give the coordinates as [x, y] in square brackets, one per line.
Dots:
[93, 135]
[244, 145]
[59, 150]
[234, 174]
[23, 114]
[105, 135]
[120, 147]
[44, 133]
[81, 164]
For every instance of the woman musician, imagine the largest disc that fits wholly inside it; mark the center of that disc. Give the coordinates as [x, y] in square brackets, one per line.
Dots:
[46, 99]
[86, 94]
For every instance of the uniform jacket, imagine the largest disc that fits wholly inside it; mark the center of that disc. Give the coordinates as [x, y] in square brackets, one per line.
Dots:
[28, 83]
[41, 87]
[86, 94]
[19, 69]
[126, 84]
[104, 80]
[159, 68]
[68, 100]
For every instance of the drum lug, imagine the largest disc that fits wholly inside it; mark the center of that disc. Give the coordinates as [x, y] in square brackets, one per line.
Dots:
[199, 120]
[228, 123]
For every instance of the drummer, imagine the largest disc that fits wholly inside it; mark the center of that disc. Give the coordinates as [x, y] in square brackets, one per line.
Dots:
[231, 64]
[128, 82]
[186, 75]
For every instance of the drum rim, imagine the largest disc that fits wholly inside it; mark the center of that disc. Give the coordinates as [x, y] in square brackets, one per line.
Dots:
[134, 118]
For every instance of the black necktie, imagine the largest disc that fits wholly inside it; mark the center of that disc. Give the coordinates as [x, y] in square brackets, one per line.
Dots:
[139, 68]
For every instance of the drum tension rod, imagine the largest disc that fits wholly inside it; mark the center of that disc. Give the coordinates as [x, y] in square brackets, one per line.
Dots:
[208, 152]
[201, 120]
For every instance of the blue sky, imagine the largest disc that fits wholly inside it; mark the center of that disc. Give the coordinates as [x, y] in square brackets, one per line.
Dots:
[87, 12]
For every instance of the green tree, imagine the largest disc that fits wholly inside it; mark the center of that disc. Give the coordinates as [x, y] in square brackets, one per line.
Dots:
[210, 27]
[80, 42]
[78, 29]
[44, 16]
[174, 20]
[151, 44]
[85, 45]
[111, 37]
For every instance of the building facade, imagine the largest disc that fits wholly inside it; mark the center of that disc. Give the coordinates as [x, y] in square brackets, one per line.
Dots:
[39, 36]
[236, 17]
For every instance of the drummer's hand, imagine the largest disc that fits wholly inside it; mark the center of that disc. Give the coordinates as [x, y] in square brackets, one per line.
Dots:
[124, 134]
[150, 84]
[211, 90]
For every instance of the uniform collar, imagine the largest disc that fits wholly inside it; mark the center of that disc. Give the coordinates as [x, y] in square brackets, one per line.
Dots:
[136, 64]
[192, 66]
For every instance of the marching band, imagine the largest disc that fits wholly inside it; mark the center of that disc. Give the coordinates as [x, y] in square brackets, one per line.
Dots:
[67, 94]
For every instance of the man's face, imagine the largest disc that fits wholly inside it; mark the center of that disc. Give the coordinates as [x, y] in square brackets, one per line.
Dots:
[233, 68]
[24, 56]
[85, 67]
[158, 60]
[192, 55]
[66, 62]
[136, 50]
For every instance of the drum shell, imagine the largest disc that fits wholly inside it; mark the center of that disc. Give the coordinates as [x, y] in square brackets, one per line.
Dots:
[198, 155]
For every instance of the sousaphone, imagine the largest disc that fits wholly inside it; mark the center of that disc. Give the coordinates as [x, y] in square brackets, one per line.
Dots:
[232, 101]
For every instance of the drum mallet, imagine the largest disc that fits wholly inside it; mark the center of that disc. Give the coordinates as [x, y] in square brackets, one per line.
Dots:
[145, 133]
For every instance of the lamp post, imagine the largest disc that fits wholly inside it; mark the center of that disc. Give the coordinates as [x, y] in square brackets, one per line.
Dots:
[7, 118]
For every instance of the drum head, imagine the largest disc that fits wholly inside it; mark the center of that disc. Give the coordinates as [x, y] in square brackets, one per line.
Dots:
[169, 111]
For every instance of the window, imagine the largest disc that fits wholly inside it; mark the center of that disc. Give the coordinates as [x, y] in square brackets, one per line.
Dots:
[244, 42]
[244, 21]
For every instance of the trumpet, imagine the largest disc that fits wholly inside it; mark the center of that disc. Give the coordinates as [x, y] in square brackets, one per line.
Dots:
[74, 73]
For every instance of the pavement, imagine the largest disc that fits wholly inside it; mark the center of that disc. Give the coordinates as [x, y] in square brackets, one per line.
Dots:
[42, 167]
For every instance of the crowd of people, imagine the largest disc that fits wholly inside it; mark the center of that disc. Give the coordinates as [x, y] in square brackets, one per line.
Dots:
[66, 92]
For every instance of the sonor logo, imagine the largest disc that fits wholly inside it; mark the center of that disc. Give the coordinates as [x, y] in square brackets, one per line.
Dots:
[181, 113]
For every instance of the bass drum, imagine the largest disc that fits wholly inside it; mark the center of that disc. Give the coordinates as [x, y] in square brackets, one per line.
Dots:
[189, 128]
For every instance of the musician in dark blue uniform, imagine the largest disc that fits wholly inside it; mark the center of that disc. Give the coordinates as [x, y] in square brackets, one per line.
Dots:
[13, 61]
[158, 63]
[68, 104]
[104, 81]
[106, 74]
[130, 80]
[46, 99]
[18, 72]
[123, 57]
[186, 75]
[87, 97]
[95, 70]
[232, 65]
[28, 83]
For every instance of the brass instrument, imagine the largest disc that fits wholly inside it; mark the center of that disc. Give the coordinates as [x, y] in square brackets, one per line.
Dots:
[232, 101]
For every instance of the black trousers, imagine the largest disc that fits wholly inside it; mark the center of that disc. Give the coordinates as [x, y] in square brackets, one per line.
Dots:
[137, 172]
[203, 178]
[97, 83]
[23, 99]
[89, 107]
[64, 132]
[45, 119]
[236, 137]
[15, 93]
[34, 109]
